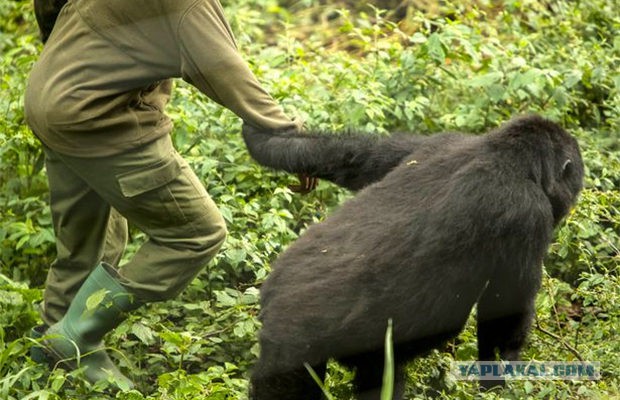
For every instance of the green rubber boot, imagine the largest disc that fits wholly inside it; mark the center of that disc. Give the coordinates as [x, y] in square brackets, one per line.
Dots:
[99, 306]
[37, 352]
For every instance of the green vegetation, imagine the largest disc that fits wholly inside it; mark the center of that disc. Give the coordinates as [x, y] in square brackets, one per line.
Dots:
[452, 67]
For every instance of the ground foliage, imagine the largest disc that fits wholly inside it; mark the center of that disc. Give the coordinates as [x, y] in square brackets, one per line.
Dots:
[464, 66]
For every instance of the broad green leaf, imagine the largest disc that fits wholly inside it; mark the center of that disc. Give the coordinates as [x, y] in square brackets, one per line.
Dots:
[95, 299]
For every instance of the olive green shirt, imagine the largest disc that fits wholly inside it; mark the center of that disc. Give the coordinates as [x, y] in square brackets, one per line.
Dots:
[102, 81]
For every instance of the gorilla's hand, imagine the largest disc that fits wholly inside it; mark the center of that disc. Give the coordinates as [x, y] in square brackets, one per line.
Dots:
[306, 184]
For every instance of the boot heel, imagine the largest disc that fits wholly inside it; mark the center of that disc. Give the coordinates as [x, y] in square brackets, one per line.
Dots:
[37, 351]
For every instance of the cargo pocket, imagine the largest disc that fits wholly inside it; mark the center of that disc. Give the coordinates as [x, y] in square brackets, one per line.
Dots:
[148, 199]
[137, 182]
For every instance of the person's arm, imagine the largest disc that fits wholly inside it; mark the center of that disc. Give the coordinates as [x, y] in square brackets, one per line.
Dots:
[211, 62]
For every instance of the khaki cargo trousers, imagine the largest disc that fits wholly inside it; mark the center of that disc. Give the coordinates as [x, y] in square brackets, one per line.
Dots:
[154, 189]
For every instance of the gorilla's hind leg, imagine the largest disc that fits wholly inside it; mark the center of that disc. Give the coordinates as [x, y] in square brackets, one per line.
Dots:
[369, 376]
[291, 385]
[503, 325]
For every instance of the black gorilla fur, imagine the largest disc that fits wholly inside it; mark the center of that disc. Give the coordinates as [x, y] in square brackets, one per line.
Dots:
[46, 12]
[443, 222]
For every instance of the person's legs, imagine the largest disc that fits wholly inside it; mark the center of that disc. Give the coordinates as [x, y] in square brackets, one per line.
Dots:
[154, 188]
[86, 231]
[83, 225]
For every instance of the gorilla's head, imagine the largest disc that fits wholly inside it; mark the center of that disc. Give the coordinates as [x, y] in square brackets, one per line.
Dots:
[546, 154]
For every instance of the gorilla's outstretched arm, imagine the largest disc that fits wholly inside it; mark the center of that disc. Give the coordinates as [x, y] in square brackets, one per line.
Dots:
[349, 160]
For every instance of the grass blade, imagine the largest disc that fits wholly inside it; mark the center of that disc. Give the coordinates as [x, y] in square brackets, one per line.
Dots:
[387, 390]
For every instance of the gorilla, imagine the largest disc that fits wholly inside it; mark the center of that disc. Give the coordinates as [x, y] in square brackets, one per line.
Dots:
[46, 13]
[440, 223]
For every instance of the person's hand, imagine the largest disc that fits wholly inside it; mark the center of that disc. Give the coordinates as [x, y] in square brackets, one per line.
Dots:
[306, 184]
